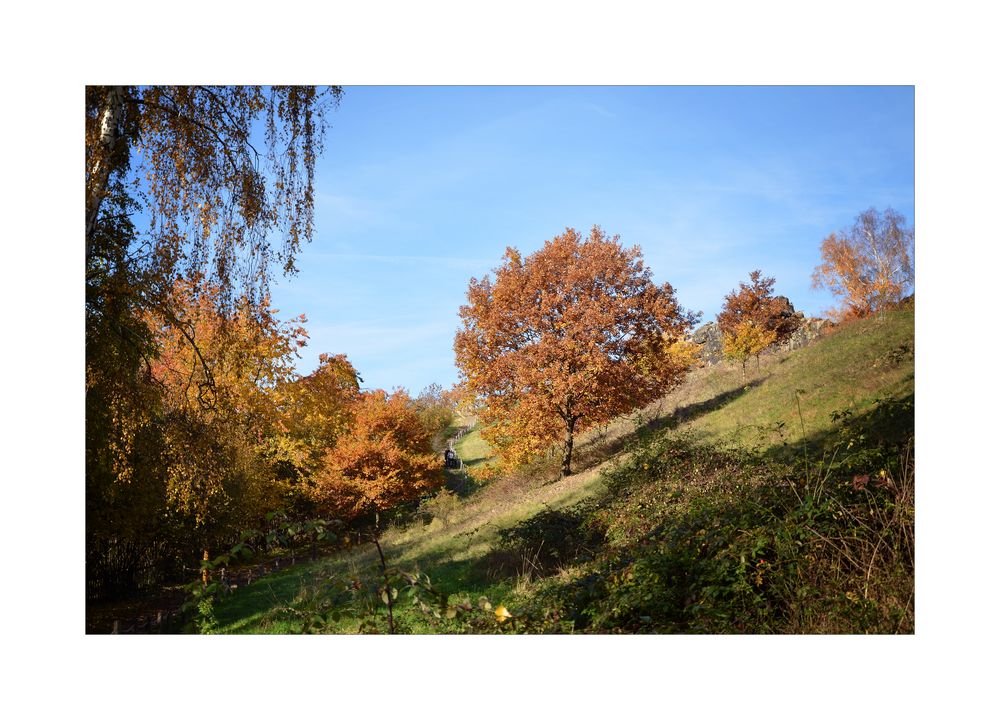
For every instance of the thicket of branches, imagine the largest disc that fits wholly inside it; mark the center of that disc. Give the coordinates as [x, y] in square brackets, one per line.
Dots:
[197, 424]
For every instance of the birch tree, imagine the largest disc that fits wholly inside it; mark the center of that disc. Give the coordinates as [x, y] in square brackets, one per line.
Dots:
[205, 185]
[868, 266]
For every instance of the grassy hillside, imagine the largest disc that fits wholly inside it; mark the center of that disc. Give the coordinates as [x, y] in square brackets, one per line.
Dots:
[851, 370]
[473, 449]
[855, 369]
[782, 503]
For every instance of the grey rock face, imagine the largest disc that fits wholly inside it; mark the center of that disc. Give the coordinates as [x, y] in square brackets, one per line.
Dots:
[710, 338]
[799, 331]
[809, 329]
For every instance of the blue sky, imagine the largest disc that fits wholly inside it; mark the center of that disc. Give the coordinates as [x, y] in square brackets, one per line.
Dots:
[422, 188]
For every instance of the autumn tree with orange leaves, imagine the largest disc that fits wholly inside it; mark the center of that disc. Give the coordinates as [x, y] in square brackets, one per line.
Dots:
[756, 302]
[315, 412]
[384, 460]
[752, 320]
[868, 266]
[218, 371]
[567, 338]
[223, 178]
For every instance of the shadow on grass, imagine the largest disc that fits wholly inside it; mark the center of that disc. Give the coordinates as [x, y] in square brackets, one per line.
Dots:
[460, 482]
[244, 609]
[597, 451]
[249, 604]
[856, 440]
[474, 462]
[687, 413]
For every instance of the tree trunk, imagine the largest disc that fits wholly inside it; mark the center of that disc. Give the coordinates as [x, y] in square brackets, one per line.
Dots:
[112, 115]
[568, 447]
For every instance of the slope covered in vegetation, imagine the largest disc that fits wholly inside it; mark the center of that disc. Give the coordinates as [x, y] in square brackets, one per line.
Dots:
[780, 503]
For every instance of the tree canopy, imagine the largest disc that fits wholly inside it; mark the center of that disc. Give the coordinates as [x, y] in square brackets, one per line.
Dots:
[752, 319]
[567, 338]
[756, 302]
[217, 172]
[193, 195]
[383, 461]
[868, 266]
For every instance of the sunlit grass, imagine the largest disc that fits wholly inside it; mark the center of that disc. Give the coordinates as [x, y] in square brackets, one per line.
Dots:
[473, 449]
[850, 369]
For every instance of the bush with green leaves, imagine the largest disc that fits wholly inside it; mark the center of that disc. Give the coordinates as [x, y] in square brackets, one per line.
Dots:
[442, 506]
[551, 539]
[704, 541]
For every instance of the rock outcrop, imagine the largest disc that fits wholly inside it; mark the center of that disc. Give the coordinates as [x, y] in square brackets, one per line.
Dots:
[710, 338]
[798, 331]
[807, 331]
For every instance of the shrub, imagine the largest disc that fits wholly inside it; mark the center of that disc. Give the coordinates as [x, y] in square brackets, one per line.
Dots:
[703, 541]
[553, 538]
[441, 507]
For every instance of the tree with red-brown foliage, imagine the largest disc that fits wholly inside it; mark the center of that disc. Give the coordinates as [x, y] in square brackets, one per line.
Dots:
[753, 319]
[565, 339]
[756, 302]
[383, 460]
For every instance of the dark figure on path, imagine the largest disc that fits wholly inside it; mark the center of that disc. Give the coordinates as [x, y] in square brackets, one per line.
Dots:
[450, 459]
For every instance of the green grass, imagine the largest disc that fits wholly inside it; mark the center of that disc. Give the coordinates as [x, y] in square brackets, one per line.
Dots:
[454, 550]
[849, 370]
[705, 459]
[473, 449]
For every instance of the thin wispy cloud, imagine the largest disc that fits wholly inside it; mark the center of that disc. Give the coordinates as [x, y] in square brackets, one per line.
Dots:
[435, 260]
[599, 110]
[423, 188]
